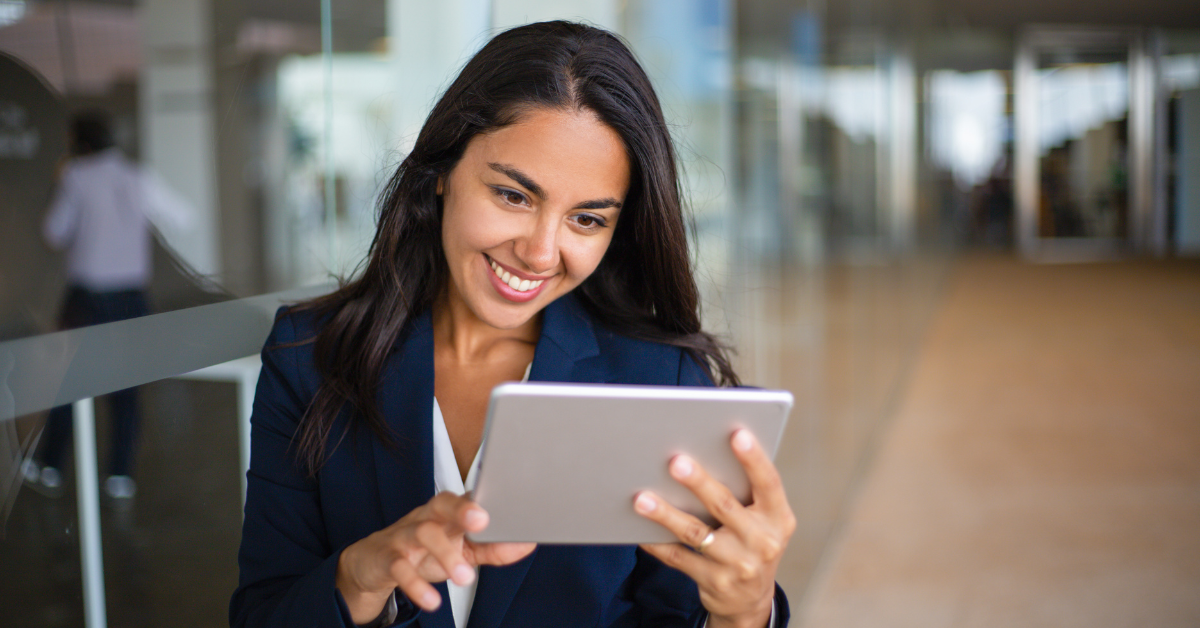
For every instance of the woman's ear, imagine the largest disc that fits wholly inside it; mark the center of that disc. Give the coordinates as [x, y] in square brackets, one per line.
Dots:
[439, 185]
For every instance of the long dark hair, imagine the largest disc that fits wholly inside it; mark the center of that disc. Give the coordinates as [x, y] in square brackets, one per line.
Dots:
[643, 287]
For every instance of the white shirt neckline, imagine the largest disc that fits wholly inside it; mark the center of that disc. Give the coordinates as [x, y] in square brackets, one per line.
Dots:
[446, 477]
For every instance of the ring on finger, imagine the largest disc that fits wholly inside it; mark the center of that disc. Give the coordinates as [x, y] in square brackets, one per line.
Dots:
[708, 540]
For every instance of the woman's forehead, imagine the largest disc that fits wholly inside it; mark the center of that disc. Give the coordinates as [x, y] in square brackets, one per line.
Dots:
[569, 149]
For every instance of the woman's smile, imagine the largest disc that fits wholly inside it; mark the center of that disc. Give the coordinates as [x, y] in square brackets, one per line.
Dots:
[512, 284]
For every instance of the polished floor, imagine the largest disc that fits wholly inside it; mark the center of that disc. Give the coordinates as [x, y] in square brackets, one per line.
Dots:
[170, 554]
[1043, 466]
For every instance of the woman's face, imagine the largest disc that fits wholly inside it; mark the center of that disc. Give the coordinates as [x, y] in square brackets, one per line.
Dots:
[529, 211]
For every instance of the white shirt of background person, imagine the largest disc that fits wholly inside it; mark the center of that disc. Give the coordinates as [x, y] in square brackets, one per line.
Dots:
[101, 214]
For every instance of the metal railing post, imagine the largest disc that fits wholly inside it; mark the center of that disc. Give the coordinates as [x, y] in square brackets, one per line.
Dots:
[87, 490]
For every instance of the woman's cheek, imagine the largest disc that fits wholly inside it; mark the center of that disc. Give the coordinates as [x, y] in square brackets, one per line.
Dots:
[482, 233]
[583, 257]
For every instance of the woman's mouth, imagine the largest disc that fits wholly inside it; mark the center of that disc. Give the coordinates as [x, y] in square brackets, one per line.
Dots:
[512, 287]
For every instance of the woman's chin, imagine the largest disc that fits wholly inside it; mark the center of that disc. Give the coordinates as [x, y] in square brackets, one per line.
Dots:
[501, 313]
[509, 321]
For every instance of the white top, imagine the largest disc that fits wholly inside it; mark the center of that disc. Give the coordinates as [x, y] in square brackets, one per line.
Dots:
[101, 214]
[447, 478]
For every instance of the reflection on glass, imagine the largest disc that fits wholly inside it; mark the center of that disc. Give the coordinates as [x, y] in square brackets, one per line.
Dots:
[1083, 116]
[362, 156]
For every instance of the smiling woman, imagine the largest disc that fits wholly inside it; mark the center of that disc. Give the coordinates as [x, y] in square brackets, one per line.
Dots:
[534, 232]
[531, 203]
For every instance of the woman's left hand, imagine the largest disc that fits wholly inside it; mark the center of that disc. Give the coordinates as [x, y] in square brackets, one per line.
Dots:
[735, 570]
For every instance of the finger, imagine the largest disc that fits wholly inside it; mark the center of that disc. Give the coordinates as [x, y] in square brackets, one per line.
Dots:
[414, 587]
[459, 511]
[716, 497]
[765, 484]
[448, 553]
[687, 528]
[681, 558]
[498, 553]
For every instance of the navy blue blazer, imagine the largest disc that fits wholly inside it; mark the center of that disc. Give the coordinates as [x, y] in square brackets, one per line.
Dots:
[296, 526]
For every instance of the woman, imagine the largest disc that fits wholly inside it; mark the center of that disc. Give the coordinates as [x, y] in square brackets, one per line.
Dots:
[534, 232]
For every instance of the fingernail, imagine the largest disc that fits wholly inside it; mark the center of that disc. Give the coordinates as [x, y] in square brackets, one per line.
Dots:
[431, 600]
[463, 575]
[743, 441]
[682, 466]
[645, 504]
[476, 519]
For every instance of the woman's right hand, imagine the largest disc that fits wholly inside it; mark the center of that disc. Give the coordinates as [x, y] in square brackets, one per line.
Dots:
[426, 545]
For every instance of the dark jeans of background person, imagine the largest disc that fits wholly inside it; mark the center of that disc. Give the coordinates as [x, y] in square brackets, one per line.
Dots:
[82, 308]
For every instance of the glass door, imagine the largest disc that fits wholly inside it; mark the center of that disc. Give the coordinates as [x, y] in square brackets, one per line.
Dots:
[1081, 144]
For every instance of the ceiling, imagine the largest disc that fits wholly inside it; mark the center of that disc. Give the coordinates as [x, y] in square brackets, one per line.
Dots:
[766, 19]
[358, 23]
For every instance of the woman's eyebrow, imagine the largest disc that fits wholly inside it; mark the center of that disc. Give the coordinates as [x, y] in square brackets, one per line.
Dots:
[600, 203]
[520, 177]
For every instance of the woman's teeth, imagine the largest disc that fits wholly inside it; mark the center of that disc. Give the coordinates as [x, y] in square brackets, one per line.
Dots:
[514, 282]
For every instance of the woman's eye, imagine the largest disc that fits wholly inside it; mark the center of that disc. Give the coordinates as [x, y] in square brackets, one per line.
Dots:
[588, 221]
[511, 197]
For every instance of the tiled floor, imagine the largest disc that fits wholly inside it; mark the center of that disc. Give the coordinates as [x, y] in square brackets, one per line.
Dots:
[1043, 468]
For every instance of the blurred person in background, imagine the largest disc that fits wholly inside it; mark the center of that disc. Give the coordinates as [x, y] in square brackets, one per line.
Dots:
[101, 215]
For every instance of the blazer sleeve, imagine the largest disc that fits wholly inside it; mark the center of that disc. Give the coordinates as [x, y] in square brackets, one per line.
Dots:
[663, 596]
[286, 565]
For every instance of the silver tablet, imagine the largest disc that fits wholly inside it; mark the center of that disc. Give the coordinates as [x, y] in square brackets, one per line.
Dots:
[561, 463]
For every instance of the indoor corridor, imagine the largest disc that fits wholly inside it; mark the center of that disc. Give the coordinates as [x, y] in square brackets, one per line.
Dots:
[1043, 464]
[872, 191]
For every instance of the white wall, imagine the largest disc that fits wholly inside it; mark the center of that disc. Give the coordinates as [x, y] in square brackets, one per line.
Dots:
[430, 42]
[178, 133]
[602, 13]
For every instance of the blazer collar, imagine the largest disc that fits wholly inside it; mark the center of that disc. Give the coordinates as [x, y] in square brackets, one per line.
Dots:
[404, 475]
[568, 337]
[566, 324]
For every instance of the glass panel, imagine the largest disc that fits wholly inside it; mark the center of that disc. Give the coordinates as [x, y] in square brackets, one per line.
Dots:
[1181, 81]
[836, 269]
[186, 87]
[686, 48]
[1083, 144]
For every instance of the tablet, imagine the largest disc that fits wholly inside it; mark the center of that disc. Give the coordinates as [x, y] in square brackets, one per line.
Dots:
[561, 463]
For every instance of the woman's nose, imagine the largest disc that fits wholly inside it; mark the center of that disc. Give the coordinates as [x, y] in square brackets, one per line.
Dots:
[538, 249]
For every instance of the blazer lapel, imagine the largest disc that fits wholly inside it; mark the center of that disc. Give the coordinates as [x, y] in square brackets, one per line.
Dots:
[404, 475]
[567, 339]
